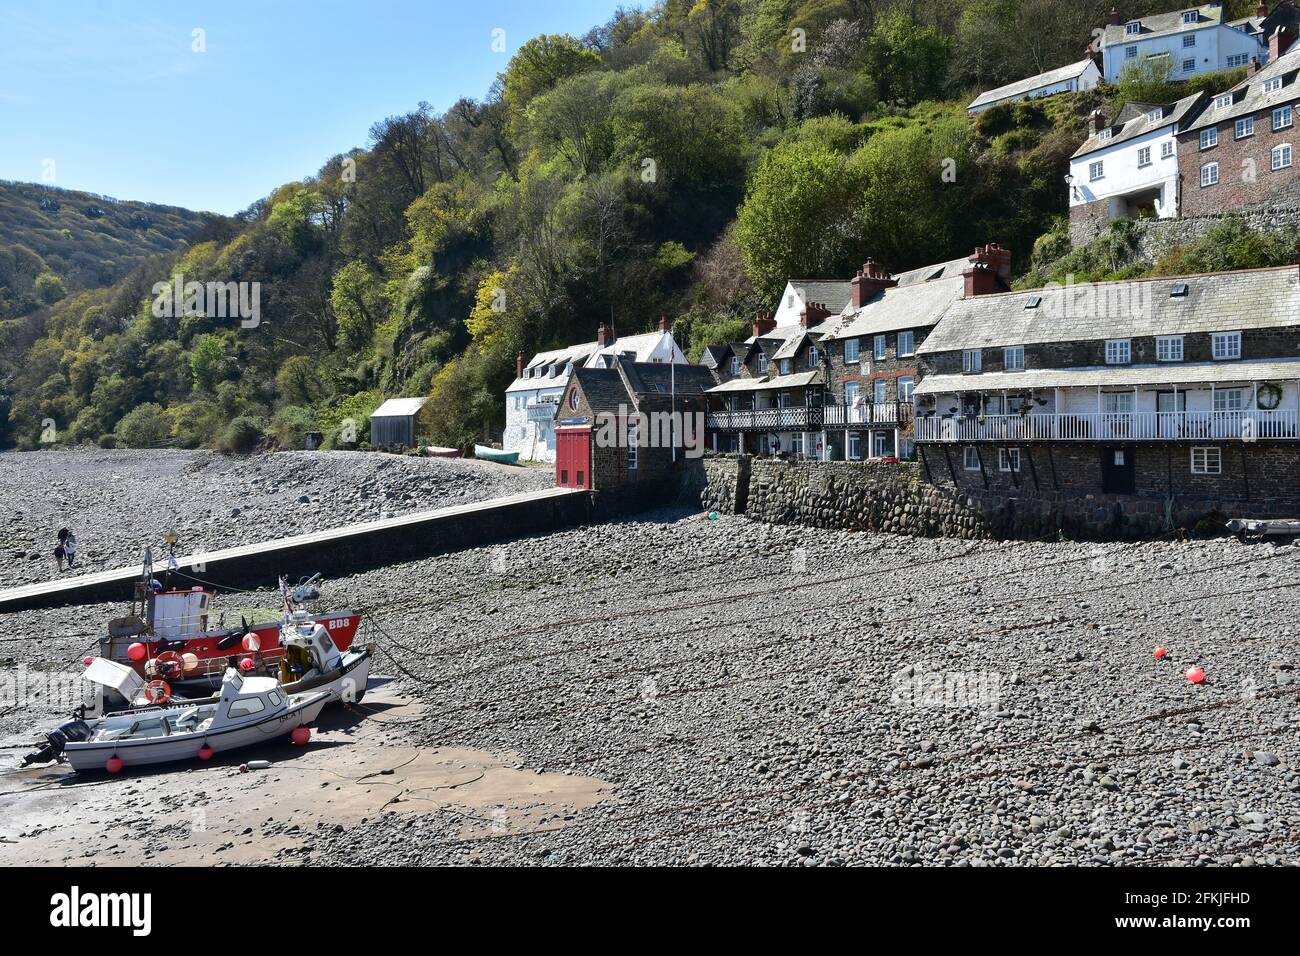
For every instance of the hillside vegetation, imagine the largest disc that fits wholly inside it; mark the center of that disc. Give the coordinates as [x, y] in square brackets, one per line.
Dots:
[53, 241]
[680, 161]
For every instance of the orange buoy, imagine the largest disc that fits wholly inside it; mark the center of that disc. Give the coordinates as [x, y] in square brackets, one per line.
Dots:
[252, 643]
[157, 692]
[301, 735]
[113, 764]
[137, 652]
[189, 662]
[1196, 675]
[1161, 653]
[206, 752]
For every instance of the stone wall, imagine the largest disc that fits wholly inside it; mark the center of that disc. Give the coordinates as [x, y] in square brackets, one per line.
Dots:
[1155, 238]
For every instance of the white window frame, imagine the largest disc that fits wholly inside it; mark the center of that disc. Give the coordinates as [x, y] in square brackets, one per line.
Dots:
[1009, 459]
[1244, 128]
[1133, 28]
[1271, 84]
[1189, 40]
[1130, 51]
[879, 347]
[1207, 460]
[762, 361]
[880, 391]
[1169, 348]
[972, 361]
[909, 337]
[854, 447]
[1286, 114]
[1210, 137]
[1013, 358]
[1096, 171]
[1189, 65]
[735, 365]
[1190, 16]
[1209, 175]
[786, 366]
[1119, 351]
[1223, 101]
[852, 392]
[1166, 150]
[1230, 400]
[814, 357]
[1280, 157]
[1144, 156]
[796, 443]
[1225, 346]
[971, 454]
[906, 384]
[852, 351]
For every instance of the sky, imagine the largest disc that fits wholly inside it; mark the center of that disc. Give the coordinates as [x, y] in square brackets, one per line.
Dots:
[124, 98]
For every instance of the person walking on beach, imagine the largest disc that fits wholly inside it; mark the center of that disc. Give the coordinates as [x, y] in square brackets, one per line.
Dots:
[70, 548]
[61, 550]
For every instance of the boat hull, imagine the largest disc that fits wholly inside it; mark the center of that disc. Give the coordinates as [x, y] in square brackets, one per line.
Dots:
[483, 453]
[93, 755]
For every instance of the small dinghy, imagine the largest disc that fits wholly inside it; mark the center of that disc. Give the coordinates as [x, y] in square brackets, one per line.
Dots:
[436, 452]
[484, 453]
[249, 710]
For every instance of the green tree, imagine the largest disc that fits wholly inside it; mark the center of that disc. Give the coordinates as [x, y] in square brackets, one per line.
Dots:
[208, 361]
[144, 426]
[541, 63]
[49, 288]
[909, 61]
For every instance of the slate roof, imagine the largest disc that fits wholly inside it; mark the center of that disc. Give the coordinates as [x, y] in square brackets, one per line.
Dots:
[1180, 112]
[1215, 302]
[835, 294]
[714, 355]
[1166, 373]
[660, 378]
[1162, 24]
[1029, 84]
[399, 408]
[939, 270]
[603, 388]
[791, 347]
[763, 383]
[915, 306]
[1248, 96]
[640, 345]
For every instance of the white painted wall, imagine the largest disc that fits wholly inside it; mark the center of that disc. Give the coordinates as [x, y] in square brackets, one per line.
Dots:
[1214, 44]
[1124, 177]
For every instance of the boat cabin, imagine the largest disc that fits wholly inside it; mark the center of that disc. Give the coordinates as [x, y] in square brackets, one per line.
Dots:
[178, 614]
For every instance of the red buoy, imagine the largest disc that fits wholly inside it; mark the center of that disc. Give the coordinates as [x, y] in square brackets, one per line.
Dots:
[1196, 675]
[137, 652]
[252, 643]
[301, 735]
[113, 764]
[87, 661]
[205, 752]
[1161, 653]
[246, 664]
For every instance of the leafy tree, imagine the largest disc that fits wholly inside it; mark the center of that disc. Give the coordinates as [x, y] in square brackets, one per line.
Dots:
[541, 63]
[208, 362]
[49, 288]
[145, 426]
[909, 61]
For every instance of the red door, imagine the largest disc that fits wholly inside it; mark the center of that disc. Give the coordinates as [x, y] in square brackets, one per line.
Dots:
[573, 458]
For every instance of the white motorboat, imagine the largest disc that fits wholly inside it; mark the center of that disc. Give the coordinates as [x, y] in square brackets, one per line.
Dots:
[312, 661]
[249, 710]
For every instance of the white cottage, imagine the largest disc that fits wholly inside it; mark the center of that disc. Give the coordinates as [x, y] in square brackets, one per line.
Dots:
[531, 399]
[1189, 42]
[1074, 78]
[1131, 169]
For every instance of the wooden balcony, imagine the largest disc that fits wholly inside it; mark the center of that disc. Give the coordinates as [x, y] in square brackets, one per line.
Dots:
[1244, 425]
[886, 414]
[799, 418]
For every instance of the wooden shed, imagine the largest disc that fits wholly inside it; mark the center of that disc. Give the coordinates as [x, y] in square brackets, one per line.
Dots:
[393, 423]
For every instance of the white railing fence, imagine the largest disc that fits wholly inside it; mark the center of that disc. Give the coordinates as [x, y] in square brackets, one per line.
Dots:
[1242, 425]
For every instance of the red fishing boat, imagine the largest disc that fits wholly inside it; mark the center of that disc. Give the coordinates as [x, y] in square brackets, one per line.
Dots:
[170, 636]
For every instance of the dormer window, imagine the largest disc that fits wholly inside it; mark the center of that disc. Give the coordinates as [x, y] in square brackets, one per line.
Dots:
[1156, 114]
[1223, 102]
[1273, 84]
[813, 358]
[1190, 16]
[787, 366]
[1133, 27]
[735, 365]
[1105, 135]
[762, 361]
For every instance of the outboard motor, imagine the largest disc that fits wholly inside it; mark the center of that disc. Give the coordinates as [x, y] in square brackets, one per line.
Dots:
[75, 730]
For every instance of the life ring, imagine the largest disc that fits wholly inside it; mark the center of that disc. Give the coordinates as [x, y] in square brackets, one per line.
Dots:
[157, 692]
[167, 664]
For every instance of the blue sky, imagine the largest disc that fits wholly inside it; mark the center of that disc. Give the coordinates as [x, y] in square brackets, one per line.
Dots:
[113, 93]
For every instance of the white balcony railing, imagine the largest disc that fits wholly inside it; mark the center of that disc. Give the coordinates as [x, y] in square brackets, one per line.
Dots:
[1244, 425]
[879, 413]
[767, 419]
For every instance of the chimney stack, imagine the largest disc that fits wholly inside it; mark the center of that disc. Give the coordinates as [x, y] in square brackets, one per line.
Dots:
[664, 324]
[870, 280]
[1114, 17]
[1262, 9]
[990, 270]
[813, 313]
[1253, 66]
[763, 324]
[1096, 122]
[1279, 43]
[605, 335]
[519, 365]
